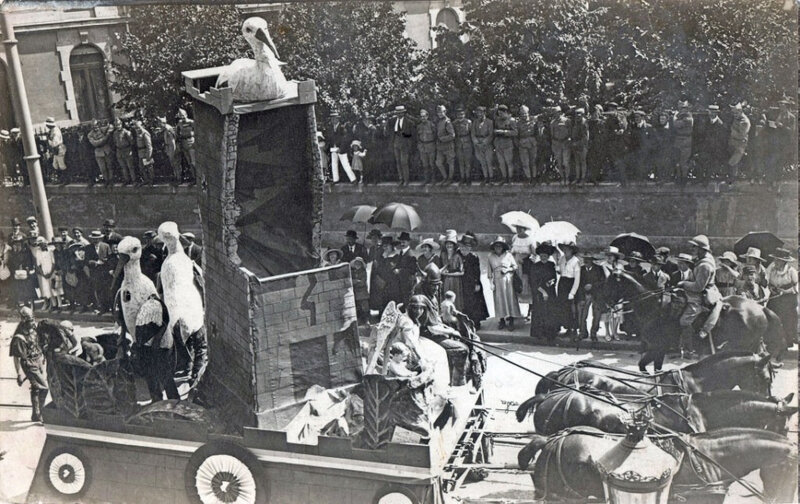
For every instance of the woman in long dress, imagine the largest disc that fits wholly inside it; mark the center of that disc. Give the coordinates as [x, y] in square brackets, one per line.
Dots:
[542, 278]
[502, 268]
[782, 278]
[23, 272]
[474, 300]
[569, 271]
[523, 246]
[388, 274]
[452, 268]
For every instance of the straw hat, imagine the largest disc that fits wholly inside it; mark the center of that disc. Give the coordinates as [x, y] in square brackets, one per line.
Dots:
[687, 258]
[428, 242]
[500, 241]
[613, 251]
[50, 122]
[730, 257]
[782, 254]
[753, 253]
[451, 236]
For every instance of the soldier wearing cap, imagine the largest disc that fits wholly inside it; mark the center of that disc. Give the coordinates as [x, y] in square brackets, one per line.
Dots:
[144, 150]
[170, 138]
[701, 291]
[579, 149]
[616, 134]
[596, 156]
[683, 125]
[100, 137]
[560, 132]
[727, 274]
[124, 142]
[185, 130]
[463, 127]
[710, 137]
[445, 145]
[402, 128]
[426, 145]
[505, 131]
[482, 134]
[639, 139]
[737, 141]
[526, 143]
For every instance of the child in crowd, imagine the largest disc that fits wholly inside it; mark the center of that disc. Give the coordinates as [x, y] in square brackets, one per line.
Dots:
[448, 310]
[359, 153]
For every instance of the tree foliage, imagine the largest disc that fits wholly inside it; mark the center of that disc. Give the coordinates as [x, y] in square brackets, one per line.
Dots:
[164, 40]
[647, 53]
[355, 51]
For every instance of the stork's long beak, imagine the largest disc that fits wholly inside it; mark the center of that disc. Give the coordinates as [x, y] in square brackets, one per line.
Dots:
[263, 36]
[124, 258]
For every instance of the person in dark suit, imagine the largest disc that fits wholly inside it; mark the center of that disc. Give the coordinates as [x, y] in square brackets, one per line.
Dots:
[406, 266]
[97, 255]
[152, 255]
[668, 266]
[402, 128]
[109, 233]
[193, 250]
[352, 248]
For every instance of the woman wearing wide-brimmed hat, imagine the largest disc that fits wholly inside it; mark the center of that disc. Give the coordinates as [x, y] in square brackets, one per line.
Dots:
[502, 268]
[474, 300]
[452, 268]
[427, 248]
[388, 273]
[782, 279]
[545, 321]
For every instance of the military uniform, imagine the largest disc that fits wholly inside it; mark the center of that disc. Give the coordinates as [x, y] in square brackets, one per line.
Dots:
[560, 131]
[99, 137]
[737, 144]
[185, 129]
[579, 146]
[123, 141]
[445, 149]
[144, 149]
[505, 131]
[426, 146]
[482, 133]
[25, 347]
[683, 124]
[526, 145]
[462, 128]
[617, 128]
[170, 149]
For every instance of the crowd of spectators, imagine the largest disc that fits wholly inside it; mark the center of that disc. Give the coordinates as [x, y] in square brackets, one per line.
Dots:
[564, 143]
[123, 152]
[76, 271]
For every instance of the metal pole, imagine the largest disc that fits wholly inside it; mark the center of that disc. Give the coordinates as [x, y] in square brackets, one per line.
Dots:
[40, 205]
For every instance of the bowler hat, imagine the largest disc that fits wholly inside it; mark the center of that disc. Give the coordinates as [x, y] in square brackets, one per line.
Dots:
[404, 236]
[351, 234]
[663, 251]
[701, 241]
[15, 222]
[500, 241]
[388, 240]
[782, 254]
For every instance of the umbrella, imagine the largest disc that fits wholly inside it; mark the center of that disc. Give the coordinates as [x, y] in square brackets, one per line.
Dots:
[397, 216]
[359, 213]
[634, 242]
[763, 240]
[557, 232]
[522, 219]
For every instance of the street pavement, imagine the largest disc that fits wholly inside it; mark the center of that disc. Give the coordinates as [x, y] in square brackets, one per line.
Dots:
[505, 387]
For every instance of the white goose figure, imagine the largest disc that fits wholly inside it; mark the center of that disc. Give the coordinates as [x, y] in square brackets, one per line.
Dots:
[259, 79]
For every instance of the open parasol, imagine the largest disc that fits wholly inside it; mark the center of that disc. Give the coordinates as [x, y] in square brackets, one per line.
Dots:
[634, 242]
[521, 219]
[359, 214]
[763, 240]
[557, 232]
[397, 216]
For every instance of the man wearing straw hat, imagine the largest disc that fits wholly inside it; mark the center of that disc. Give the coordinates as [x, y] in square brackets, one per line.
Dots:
[55, 144]
[402, 128]
[701, 292]
[727, 274]
[753, 258]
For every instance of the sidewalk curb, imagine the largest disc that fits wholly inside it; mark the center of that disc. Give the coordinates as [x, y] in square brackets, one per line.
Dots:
[496, 336]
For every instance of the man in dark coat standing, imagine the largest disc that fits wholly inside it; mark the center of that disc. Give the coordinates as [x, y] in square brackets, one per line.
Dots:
[152, 256]
[406, 266]
[402, 128]
[352, 248]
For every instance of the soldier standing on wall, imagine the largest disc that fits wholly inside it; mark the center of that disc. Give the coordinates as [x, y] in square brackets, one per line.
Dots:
[185, 129]
[99, 138]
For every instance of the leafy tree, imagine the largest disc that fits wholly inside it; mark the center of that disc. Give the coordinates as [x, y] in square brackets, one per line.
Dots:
[164, 40]
[356, 53]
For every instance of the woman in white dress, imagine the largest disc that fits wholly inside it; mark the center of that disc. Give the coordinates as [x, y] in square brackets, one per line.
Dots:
[45, 273]
[502, 268]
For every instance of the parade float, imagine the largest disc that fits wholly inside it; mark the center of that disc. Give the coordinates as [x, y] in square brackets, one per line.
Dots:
[295, 405]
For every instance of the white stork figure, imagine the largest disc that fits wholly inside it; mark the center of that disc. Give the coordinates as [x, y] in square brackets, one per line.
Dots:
[136, 288]
[181, 282]
[259, 79]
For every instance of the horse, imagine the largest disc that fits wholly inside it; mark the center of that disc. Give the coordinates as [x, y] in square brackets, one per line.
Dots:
[721, 371]
[566, 470]
[563, 408]
[743, 324]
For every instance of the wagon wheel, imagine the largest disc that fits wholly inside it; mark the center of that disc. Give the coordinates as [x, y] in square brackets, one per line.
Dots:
[221, 472]
[68, 472]
[395, 494]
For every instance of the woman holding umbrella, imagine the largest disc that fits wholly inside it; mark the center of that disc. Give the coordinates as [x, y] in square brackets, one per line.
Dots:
[452, 268]
[542, 279]
[782, 279]
[502, 268]
[569, 269]
[474, 300]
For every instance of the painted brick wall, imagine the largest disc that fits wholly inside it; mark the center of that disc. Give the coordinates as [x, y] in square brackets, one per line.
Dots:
[305, 333]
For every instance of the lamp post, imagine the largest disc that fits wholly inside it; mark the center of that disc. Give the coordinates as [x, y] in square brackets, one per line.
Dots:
[635, 470]
[40, 205]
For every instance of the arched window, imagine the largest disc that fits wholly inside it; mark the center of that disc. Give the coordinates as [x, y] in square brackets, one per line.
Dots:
[6, 110]
[87, 66]
[448, 18]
